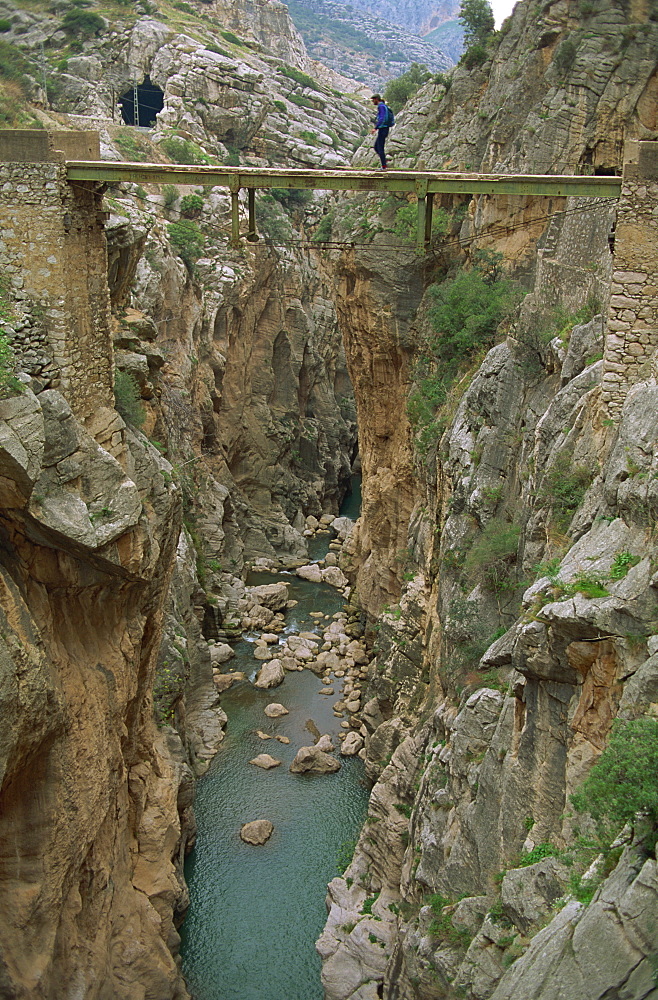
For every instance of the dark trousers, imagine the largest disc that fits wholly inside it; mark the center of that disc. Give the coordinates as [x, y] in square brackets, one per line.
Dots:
[382, 136]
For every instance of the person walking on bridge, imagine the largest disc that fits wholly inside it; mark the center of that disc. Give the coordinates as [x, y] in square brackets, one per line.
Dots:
[382, 124]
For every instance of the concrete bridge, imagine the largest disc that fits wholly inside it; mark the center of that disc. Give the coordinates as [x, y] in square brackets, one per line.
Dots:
[53, 249]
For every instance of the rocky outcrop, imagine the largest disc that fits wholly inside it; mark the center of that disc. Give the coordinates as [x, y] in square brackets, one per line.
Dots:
[87, 787]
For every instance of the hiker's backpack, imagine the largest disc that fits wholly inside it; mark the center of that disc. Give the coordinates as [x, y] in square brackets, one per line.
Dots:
[389, 121]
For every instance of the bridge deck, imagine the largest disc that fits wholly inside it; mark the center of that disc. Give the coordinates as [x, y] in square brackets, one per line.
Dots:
[424, 184]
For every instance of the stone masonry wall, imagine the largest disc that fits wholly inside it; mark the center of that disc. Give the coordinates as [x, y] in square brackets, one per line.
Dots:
[53, 257]
[632, 329]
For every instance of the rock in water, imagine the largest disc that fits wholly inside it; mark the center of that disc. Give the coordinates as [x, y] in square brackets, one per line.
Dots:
[325, 744]
[310, 760]
[256, 832]
[270, 675]
[352, 743]
[265, 761]
[274, 710]
[262, 735]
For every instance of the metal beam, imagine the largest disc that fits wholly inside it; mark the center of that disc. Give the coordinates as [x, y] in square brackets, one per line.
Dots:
[438, 182]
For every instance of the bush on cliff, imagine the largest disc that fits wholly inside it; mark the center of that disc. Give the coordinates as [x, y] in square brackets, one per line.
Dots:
[187, 240]
[128, 400]
[465, 313]
[624, 780]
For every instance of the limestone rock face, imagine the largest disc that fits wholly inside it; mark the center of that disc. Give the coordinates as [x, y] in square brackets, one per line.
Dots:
[90, 550]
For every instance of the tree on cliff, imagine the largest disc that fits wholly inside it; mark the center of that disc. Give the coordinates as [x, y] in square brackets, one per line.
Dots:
[478, 20]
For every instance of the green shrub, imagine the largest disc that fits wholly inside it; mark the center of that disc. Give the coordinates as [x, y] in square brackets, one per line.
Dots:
[230, 37]
[280, 106]
[563, 488]
[442, 926]
[127, 399]
[183, 151]
[406, 223]
[538, 853]
[624, 780]
[476, 55]
[621, 565]
[219, 50]
[13, 65]
[272, 220]
[301, 102]
[291, 198]
[565, 54]
[131, 147]
[465, 313]
[369, 903]
[303, 79]
[170, 195]
[5, 25]
[397, 92]
[345, 854]
[191, 206]
[188, 241]
[9, 384]
[492, 558]
[82, 22]
[323, 233]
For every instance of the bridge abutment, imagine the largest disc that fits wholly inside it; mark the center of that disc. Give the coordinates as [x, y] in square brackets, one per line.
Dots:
[631, 339]
[53, 259]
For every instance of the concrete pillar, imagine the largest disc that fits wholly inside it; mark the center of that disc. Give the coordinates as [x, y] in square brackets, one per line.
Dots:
[53, 257]
[631, 340]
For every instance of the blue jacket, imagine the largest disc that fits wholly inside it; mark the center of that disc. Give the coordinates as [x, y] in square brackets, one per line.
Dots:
[380, 121]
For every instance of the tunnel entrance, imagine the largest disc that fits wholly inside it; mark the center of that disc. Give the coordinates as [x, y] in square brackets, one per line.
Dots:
[141, 103]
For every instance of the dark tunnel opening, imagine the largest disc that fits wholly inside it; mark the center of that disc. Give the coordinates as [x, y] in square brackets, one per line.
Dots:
[150, 100]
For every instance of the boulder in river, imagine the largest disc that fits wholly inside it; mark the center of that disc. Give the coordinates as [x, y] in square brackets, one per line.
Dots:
[265, 760]
[262, 735]
[351, 745]
[258, 831]
[311, 572]
[334, 577]
[220, 652]
[271, 595]
[262, 652]
[274, 710]
[325, 744]
[270, 675]
[310, 760]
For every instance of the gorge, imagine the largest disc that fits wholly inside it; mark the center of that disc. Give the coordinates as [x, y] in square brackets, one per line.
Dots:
[502, 571]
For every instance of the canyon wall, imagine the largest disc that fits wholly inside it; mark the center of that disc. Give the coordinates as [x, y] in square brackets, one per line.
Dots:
[515, 639]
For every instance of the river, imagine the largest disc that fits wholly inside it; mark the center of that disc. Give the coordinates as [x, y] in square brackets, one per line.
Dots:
[256, 912]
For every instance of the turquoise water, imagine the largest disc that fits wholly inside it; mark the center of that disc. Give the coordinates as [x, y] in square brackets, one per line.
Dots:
[256, 912]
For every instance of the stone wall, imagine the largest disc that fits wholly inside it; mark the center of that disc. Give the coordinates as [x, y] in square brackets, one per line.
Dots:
[632, 330]
[54, 256]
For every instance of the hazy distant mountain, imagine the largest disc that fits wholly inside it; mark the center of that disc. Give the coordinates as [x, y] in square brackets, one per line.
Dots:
[417, 16]
[449, 38]
[366, 46]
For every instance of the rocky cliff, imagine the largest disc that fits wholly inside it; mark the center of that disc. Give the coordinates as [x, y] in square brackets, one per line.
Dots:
[518, 636]
[90, 826]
